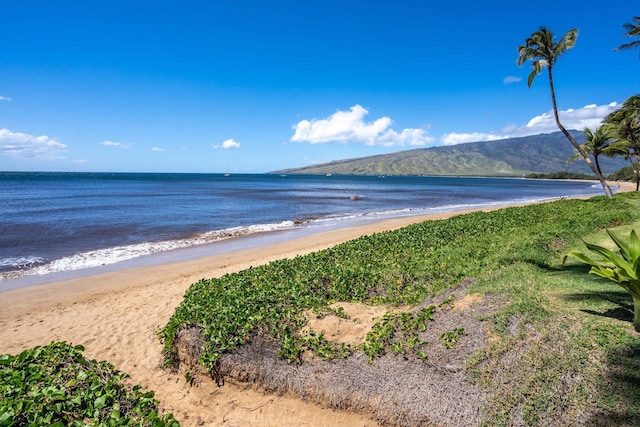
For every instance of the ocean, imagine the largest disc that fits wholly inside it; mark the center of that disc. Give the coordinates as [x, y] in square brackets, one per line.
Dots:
[52, 223]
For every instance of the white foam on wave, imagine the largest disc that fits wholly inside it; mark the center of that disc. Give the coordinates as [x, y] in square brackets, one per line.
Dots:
[21, 262]
[423, 211]
[112, 255]
[38, 266]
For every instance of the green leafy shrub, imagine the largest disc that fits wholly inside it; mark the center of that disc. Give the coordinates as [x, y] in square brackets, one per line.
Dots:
[622, 268]
[55, 385]
[560, 175]
[624, 174]
[397, 267]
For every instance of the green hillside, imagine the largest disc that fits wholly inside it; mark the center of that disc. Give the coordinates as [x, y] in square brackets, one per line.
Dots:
[544, 153]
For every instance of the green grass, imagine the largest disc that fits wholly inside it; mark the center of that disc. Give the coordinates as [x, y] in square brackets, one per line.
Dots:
[566, 346]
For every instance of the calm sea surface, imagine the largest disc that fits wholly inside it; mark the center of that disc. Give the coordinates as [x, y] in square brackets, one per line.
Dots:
[56, 222]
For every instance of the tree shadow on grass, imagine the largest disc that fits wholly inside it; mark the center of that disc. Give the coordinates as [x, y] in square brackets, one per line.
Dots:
[621, 386]
[615, 296]
[554, 267]
[620, 389]
[621, 299]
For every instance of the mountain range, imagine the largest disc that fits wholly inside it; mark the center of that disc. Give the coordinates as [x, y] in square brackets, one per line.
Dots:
[544, 153]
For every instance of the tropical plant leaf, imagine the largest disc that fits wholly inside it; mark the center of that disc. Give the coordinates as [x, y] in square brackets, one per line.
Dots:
[634, 246]
[582, 257]
[621, 244]
[610, 257]
[605, 272]
[55, 385]
[624, 270]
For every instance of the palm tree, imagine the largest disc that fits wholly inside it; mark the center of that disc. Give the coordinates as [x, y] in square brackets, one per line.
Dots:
[544, 51]
[626, 121]
[597, 143]
[633, 30]
[630, 151]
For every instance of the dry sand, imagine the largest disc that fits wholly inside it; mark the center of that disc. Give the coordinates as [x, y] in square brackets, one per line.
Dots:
[117, 315]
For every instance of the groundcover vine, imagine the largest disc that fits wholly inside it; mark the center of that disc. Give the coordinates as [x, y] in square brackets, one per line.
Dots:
[397, 267]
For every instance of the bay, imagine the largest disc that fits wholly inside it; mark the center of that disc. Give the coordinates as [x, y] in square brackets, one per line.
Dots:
[59, 222]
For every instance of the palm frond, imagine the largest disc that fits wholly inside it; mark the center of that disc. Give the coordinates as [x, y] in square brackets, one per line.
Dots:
[543, 51]
[632, 30]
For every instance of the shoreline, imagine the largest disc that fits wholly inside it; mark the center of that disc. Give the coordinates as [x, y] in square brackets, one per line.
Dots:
[85, 285]
[116, 316]
[77, 266]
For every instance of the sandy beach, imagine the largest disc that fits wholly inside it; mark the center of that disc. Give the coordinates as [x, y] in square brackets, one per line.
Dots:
[116, 316]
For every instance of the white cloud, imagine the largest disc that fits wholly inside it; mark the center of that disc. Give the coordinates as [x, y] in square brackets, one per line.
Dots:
[230, 143]
[24, 146]
[157, 149]
[461, 138]
[349, 127]
[227, 144]
[590, 116]
[511, 79]
[116, 144]
[81, 161]
[5, 98]
[414, 137]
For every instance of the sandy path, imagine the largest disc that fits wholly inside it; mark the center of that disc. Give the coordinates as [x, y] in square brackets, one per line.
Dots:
[116, 317]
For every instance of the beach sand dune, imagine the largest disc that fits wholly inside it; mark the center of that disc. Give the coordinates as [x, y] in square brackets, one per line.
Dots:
[117, 315]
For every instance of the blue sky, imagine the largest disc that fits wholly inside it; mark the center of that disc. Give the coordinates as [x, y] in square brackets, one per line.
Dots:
[255, 86]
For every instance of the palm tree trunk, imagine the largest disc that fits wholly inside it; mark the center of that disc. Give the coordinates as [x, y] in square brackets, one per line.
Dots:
[597, 164]
[636, 168]
[584, 154]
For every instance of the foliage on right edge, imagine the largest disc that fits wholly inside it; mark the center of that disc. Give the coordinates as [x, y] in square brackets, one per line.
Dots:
[623, 268]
